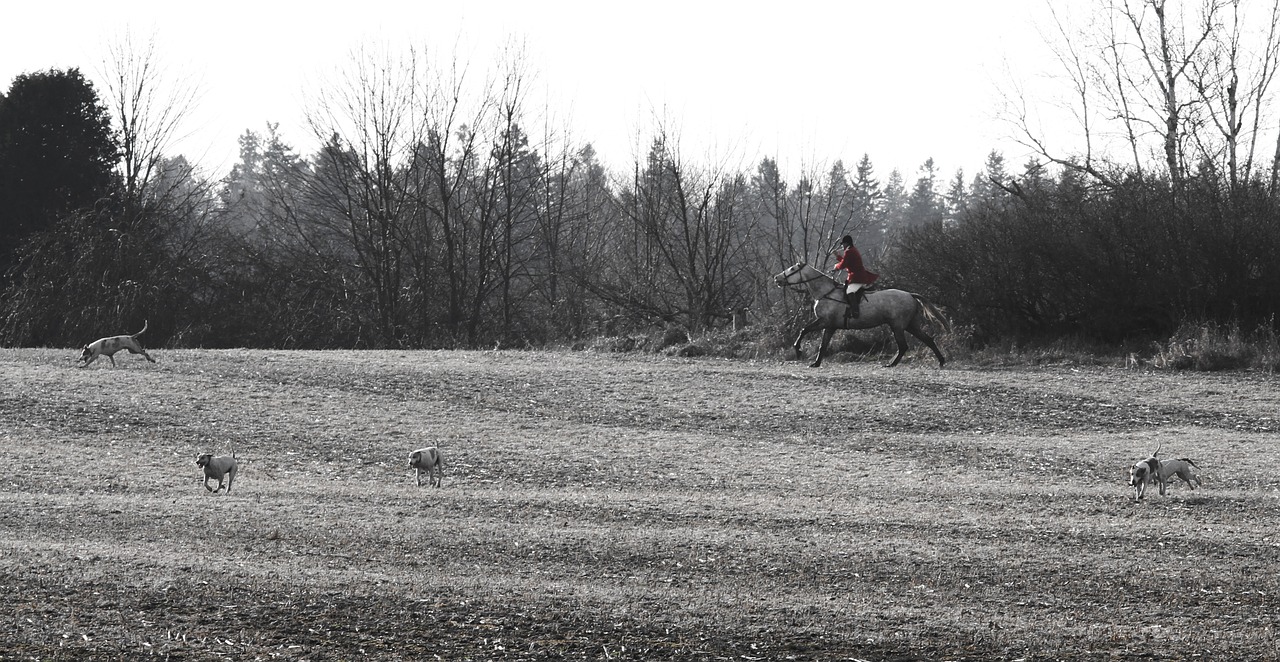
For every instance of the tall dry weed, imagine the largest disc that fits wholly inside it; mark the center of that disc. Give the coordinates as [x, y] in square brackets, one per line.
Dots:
[1209, 347]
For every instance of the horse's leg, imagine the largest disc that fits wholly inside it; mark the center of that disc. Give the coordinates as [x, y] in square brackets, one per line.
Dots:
[809, 328]
[822, 349]
[923, 337]
[901, 337]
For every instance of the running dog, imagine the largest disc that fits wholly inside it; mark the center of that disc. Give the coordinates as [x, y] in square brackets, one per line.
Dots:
[112, 344]
[1182, 468]
[430, 461]
[217, 467]
[1143, 472]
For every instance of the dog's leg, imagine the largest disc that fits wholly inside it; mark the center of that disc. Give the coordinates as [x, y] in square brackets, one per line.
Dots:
[231, 477]
[141, 351]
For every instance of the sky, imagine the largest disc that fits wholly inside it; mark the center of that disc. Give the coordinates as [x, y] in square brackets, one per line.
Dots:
[804, 82]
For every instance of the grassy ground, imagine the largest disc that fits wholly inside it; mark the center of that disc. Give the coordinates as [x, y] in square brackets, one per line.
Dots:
[625, 507]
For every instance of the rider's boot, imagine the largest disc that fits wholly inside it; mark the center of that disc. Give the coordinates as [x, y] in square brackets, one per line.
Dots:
[852, 299]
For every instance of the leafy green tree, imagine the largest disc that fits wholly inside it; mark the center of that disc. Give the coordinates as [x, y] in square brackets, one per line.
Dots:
[57, 152]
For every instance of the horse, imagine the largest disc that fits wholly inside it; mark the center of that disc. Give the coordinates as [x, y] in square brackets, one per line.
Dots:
[902, 311]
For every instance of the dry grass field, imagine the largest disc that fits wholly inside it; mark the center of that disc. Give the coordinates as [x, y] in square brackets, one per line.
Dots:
[625, 507]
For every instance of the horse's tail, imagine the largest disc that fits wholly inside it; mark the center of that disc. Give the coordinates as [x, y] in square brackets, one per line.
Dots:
[932, 312]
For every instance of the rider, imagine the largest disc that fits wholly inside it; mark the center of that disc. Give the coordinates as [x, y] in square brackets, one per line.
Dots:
[850, 260]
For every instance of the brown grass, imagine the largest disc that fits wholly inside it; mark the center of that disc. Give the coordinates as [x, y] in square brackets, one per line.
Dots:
[607, 506]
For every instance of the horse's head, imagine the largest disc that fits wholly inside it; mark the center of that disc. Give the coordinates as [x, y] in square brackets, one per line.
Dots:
[792, 276]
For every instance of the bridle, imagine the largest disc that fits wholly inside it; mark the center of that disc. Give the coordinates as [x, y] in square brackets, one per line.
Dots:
[805, 280]
[818, 275]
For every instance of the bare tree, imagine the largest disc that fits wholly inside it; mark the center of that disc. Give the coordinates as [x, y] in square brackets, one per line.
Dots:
[1234, 81]
[370, 123]
[1179, 83]
[459, 210]
[164, 206]
[687, 236]
[514, 170]
[150, 107]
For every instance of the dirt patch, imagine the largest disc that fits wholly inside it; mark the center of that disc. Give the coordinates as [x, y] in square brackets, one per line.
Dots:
[620, 507]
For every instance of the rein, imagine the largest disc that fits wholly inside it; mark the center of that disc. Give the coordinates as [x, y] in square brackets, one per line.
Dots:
[819, 276]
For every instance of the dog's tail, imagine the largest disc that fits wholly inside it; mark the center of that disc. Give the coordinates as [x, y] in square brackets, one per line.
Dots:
[144, 328]
[1157, 451]
[1189, 461]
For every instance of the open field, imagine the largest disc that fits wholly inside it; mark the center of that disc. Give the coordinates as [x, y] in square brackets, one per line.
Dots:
[626, 507]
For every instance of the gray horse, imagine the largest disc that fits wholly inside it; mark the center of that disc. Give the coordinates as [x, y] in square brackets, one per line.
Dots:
[902, 311]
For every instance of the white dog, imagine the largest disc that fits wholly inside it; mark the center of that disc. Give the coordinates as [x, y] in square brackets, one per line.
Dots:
[110, 345]
[217, 467]
[430, 461]
[1182, 468]
[1143, 472]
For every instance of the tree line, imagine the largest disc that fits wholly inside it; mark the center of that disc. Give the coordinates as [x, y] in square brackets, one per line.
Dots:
[439, 211]
[433, 215]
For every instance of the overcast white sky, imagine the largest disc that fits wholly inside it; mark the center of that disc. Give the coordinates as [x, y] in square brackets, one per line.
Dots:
[805, 82]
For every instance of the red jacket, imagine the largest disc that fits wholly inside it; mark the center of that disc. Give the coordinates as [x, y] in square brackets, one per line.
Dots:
[851, 261]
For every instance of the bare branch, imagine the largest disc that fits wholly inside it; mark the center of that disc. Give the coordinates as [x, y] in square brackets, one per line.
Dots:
[150, 107]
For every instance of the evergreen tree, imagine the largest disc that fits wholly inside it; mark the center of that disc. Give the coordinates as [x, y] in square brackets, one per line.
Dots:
[986, 185]
[57, 152]
[894, 203]
[924, 204]
[837, 200]
[867, 207]
[1033, 174]
[957, 200]
[770, 196]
